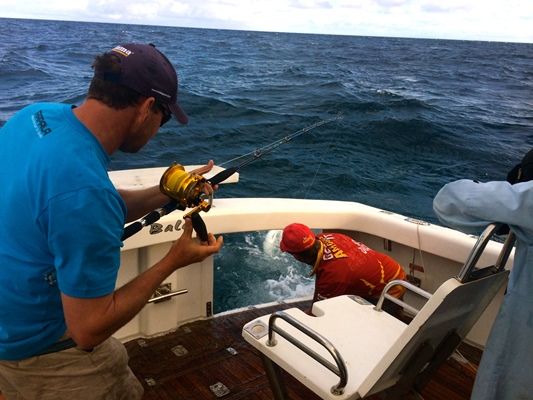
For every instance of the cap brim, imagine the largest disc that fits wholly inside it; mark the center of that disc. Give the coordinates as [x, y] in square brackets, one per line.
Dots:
[179, 113]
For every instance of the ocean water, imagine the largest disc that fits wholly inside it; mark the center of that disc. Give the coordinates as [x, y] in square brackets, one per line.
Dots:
[417, 113]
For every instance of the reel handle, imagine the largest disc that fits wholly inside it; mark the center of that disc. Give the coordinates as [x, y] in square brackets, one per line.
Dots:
[199, 227]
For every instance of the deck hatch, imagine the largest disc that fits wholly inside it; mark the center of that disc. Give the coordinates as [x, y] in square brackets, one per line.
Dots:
[219, 389]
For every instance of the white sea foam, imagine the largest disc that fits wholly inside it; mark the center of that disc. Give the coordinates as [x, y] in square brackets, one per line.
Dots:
[290, 285]
[294, 282]
[271, 243]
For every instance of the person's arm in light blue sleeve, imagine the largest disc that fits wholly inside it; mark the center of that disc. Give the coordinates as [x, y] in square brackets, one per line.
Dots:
[470, 206]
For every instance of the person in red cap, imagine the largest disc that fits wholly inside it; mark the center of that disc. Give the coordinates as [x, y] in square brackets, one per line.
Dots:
[60, 255]
[342, 265]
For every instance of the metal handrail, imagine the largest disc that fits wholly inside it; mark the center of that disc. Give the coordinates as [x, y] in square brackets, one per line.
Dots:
[505, 252]
[409, 286]
[482, 241]
[465, 273]
[339, 369]
[167, 296]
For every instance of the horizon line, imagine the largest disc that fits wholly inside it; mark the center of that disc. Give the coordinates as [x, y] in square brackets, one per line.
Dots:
[266, 31]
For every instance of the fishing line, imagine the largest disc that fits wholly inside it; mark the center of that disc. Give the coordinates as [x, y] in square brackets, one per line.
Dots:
[260, 152]
[314, 178]
[420, 246]
[310, 186]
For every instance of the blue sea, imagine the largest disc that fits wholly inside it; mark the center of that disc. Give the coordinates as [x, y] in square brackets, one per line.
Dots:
[417, 113]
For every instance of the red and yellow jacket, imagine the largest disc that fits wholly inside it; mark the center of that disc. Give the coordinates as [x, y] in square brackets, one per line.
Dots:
[344, 266]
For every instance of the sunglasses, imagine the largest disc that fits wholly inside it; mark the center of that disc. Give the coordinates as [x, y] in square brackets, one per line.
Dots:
[166, 114]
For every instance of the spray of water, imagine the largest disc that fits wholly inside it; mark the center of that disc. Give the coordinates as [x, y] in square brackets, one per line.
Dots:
[251, 269]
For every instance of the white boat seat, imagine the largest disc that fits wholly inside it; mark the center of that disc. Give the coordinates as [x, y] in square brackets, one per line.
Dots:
[351, 349]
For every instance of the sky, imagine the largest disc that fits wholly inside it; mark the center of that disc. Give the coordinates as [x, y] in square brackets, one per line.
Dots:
[490, 20]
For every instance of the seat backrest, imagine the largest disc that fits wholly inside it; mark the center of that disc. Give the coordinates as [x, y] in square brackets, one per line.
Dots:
[453, 308]
[449, 313]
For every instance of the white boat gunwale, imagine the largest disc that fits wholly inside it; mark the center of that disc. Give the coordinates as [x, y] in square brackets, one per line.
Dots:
[438, 251]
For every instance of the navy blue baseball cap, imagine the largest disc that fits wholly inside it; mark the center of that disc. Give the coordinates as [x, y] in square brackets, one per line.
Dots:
[146, 70]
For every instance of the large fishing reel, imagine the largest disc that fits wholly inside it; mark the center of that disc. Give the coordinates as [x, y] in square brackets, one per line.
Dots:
[186, 188]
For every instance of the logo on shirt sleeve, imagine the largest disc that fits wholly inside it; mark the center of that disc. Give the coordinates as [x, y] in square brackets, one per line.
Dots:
[40, 125]
[331, 250]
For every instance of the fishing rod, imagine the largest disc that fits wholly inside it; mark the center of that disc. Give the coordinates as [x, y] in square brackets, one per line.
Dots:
[185, 189]
[258, 153]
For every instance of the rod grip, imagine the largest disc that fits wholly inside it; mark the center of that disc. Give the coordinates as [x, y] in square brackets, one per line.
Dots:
[131, 230]
[222, 176]
[150, 218]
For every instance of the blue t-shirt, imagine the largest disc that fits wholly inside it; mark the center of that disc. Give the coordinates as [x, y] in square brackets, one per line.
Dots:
[61, 225]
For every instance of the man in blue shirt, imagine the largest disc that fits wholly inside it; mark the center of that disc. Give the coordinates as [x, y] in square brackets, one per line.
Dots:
[62, 223]
[505, 371]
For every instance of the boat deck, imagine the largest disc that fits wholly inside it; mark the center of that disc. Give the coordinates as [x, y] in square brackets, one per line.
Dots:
[206, 360]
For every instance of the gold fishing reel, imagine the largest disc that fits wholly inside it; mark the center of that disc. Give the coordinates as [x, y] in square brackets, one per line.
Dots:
[186, 188]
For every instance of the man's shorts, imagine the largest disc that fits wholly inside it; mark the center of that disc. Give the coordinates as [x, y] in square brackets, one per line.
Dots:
[101, 374]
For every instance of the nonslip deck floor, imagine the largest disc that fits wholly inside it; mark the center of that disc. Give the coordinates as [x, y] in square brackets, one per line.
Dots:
[207, 360]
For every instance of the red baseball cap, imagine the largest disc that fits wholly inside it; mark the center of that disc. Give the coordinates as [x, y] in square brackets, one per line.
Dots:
[296, 238]
[146, 70]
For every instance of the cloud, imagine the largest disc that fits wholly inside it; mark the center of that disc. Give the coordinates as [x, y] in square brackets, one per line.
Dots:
[310, 4]
[392, 3]
[456, 19]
